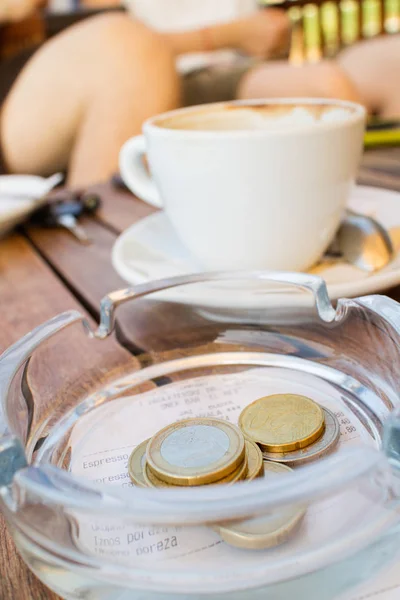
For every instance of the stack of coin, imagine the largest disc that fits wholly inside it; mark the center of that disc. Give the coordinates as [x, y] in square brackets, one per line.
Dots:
[195, 452]
[267, 530]
[282, 428]
[289, 428]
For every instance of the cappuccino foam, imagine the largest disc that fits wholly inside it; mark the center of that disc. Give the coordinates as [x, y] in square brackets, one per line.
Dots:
[258, 117]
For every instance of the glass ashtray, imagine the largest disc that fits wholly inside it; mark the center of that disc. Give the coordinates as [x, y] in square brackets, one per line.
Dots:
[202, 346]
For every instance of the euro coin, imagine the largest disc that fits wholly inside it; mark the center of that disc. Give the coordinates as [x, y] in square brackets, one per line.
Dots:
[254, 461]
[282, 422]
[152, 481]
[265, 531]
[136, 464]
[196, 452]
[325, 444]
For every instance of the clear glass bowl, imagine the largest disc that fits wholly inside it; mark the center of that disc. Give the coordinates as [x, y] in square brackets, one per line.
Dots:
[206, 345]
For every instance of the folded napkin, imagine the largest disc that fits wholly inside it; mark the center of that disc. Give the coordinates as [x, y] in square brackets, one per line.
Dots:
[20, 195]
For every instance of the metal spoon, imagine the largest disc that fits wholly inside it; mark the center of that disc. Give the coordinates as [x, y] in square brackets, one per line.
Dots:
[360, 241]
[364, 242]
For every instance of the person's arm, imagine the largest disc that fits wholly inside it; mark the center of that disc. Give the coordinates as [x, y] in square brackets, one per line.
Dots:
[259, 35]
[207, 39]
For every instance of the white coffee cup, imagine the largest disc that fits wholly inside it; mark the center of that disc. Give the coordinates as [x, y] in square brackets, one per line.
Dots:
[250, 185]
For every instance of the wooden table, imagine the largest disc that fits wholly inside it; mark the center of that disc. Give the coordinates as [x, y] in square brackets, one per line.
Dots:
[44, 272]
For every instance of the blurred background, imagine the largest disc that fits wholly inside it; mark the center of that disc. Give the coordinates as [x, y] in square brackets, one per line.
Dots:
[319, 28]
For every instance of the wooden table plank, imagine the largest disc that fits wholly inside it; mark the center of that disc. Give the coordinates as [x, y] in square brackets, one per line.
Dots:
[120, 208]
[381, 168]
[30, 293]
[87, 270]
[383, 159]
[378, 179]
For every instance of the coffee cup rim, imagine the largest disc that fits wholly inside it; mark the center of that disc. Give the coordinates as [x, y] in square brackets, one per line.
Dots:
[358, 113]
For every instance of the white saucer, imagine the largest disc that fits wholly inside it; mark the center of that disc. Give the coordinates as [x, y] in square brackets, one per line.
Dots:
[20, 195]
[151, 250]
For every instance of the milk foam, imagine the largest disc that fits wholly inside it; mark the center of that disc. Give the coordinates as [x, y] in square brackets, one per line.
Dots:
[267, 117]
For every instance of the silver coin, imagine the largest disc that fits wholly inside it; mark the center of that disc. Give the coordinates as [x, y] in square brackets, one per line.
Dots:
[268, 530]
[196, 446]
[321, 447]
[196, 451]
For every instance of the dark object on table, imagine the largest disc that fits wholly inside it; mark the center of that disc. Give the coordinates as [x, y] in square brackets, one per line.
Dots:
[65, 211]
[376, 124]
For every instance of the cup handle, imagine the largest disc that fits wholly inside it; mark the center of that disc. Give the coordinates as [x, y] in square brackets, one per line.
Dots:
[134, 173]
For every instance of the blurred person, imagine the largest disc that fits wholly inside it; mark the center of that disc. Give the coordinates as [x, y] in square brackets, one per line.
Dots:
[82, 94]
[374, 68]
[229, 49]
[71, 103]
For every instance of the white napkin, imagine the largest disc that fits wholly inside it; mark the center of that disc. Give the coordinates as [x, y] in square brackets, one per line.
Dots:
[20, 195]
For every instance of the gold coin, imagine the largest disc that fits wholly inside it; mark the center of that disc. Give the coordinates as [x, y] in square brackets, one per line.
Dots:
[282, 422]
[136, 464]
[265, 531]
[271, 468]
[254, 461]
[325, 444]
[152, 481]
[196, 451]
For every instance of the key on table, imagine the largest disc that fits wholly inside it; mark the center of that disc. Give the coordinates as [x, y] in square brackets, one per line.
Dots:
[70, 222]
[65, 213]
